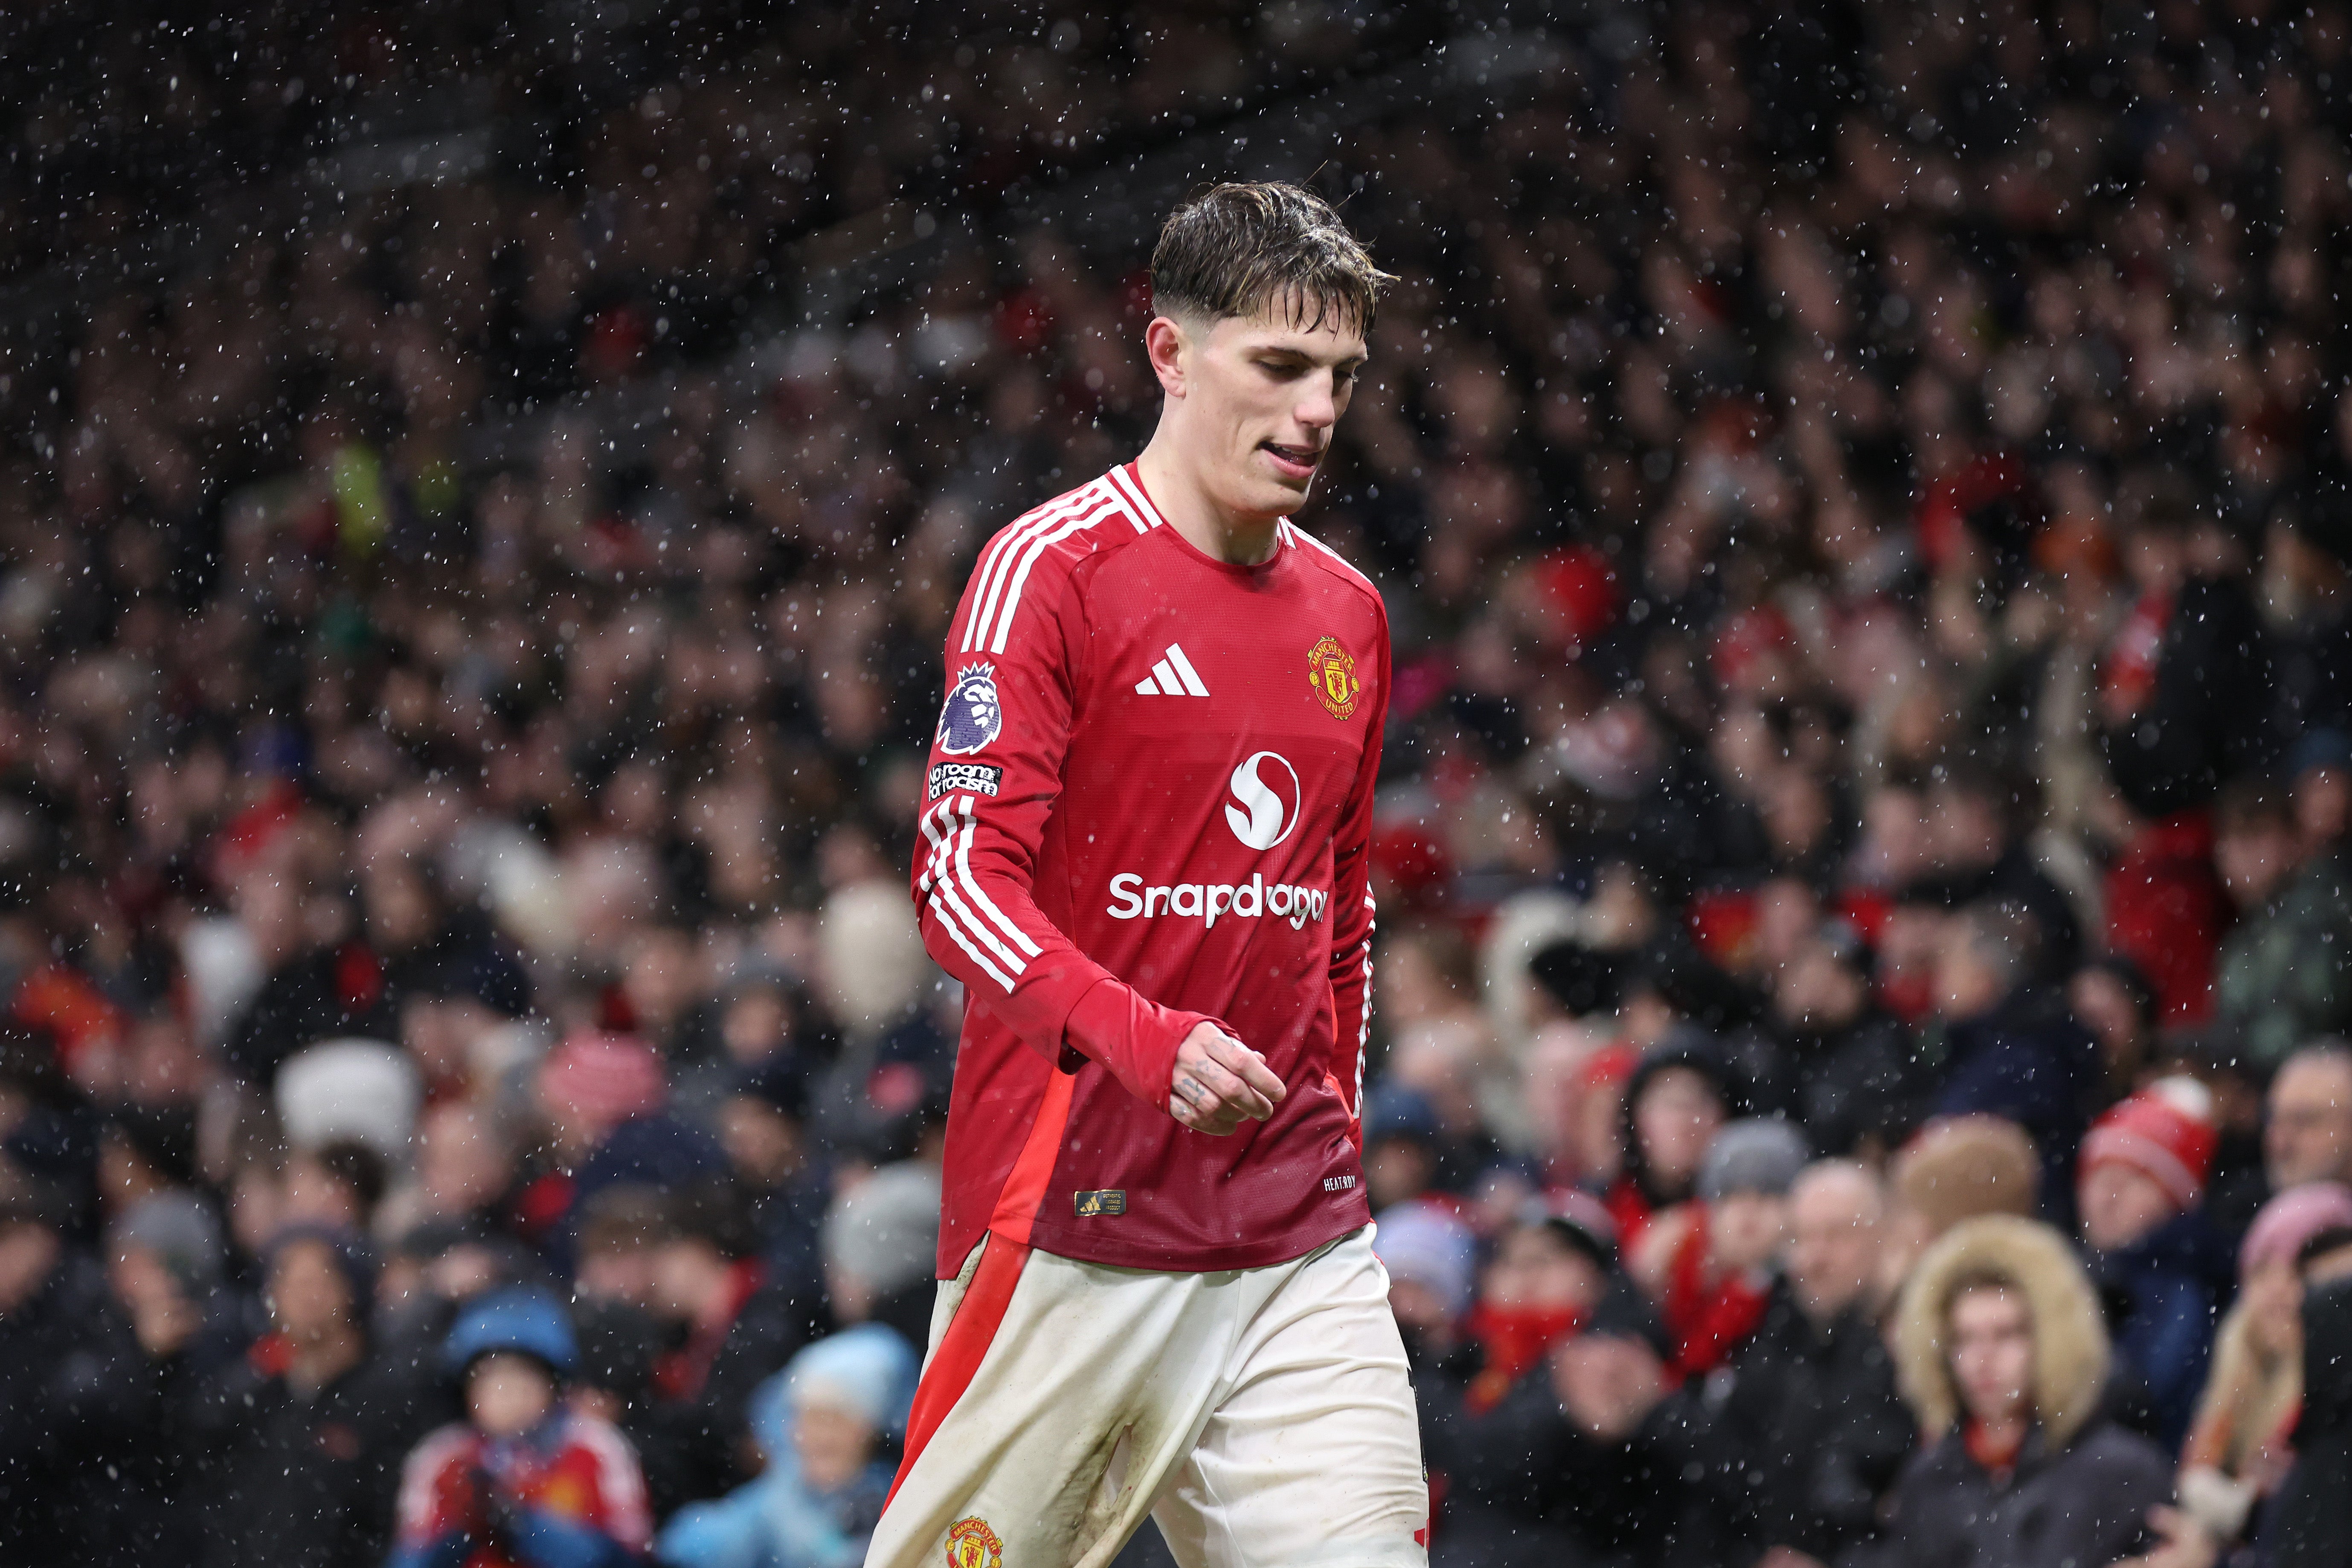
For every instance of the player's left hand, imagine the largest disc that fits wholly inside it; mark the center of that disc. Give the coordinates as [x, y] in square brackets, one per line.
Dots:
[1219, 1082]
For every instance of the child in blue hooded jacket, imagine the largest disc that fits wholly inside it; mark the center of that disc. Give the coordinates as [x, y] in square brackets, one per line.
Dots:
[525, 1481]
[823, 1422]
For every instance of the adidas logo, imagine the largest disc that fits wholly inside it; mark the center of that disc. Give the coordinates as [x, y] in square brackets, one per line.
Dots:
[1172, 676]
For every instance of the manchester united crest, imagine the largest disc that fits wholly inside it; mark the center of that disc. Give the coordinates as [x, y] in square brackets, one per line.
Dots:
[972, 1545]
[1331, 670]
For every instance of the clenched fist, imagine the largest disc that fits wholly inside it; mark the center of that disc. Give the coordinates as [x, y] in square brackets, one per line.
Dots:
[1219, 1081]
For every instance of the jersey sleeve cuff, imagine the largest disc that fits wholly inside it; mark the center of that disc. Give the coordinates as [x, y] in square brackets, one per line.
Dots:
[1132, 1035]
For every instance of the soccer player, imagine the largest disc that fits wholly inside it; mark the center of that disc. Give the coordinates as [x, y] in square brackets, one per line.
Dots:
[1143, 853]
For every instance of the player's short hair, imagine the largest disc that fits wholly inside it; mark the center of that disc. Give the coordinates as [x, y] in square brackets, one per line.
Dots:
[1260, 250]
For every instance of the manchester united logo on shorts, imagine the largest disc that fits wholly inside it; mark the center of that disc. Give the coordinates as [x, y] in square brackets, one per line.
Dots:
[972, 1545]
[1331, 670]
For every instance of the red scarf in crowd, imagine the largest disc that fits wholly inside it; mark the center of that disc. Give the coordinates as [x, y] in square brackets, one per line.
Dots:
[1995, 1460]
[1708, 1319]
[1629, 1211]
[2128, 672]
[680, 1373]
[1515, 1339]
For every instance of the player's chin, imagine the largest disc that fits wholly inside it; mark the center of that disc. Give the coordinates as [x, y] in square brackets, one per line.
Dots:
[1278, 495]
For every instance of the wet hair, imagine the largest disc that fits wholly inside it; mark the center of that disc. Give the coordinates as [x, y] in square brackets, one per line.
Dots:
[1261, 249]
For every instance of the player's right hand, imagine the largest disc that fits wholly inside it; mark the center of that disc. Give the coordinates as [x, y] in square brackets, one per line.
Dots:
[1219, 1081]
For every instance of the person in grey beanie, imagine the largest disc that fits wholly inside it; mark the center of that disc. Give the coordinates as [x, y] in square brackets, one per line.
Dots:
[1760, 1154]
[1432, 1259]
[181, 1233]
[880, 1242]
[167, 1262]
[1715, 1265]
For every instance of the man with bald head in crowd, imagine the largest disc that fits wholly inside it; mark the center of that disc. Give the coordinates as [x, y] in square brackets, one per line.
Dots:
[2308, 1125]
[1798, 1436]
[1837, 1212]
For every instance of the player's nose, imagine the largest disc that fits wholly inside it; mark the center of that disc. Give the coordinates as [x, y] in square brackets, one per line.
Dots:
[1318, 410]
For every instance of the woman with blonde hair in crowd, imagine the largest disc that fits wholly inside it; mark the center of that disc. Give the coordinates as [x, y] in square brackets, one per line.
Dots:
[2238, 1449]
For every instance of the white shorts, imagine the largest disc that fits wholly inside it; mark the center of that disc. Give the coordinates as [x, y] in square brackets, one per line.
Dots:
[1263, 1416]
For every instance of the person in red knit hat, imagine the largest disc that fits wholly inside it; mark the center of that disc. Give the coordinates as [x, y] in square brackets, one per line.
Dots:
[2140, 1188]
[2145, 1160]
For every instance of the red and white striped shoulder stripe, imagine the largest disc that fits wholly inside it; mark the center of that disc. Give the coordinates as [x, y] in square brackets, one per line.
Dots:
[1002, 574]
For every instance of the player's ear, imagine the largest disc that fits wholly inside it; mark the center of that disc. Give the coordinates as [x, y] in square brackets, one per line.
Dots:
[1164, 340]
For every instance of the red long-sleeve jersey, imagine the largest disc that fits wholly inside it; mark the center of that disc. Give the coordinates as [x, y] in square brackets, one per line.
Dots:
[1149, 802]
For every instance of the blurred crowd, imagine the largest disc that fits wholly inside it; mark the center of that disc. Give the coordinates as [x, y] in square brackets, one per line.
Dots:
[1862, 496]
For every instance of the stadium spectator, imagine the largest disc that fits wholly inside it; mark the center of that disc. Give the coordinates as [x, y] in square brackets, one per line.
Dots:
[1552, 1266]
[1432, 1259]
[2014, 1051]
[1526, 1455]
[2273, 978]
[780, 1183]
[1956, 1168]
[823, 1424]
[2241, 1445]
[74, 1388]
[1405, 1148]
[2237, 1186]
[729, 1325]
[2312, 1522]
[2307, 1124]
[298, 1442]
[1858, 1089]
[2157, 1262]
[1800, 1433]
[880, 1245]
[2003, 1357]
[1715, 1256]
[522, 1480]
[1675, 1101]
[465, 1173]
[2110, 998]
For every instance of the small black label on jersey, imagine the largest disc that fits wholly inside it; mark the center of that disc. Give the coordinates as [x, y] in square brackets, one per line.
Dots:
[1100, 1205]
[978, 778]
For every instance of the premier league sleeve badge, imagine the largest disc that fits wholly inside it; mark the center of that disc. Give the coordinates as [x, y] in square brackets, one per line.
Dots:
[973, 716]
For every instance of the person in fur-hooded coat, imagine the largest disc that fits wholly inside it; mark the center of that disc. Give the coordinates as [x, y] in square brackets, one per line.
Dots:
[2018, 1468]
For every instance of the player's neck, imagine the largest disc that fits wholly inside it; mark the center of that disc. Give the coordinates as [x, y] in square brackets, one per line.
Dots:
[1216, 531]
